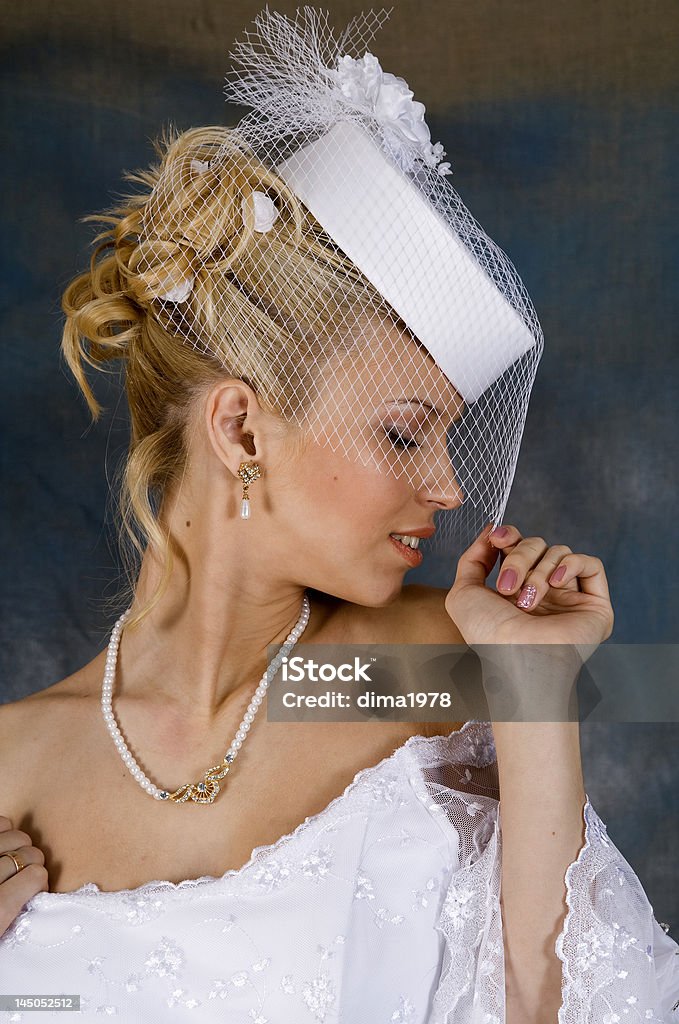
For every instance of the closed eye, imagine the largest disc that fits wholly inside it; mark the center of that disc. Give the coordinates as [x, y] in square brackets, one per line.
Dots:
[400, 440]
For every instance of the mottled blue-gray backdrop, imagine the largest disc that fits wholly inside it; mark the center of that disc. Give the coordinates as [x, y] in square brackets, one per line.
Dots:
[560, 123]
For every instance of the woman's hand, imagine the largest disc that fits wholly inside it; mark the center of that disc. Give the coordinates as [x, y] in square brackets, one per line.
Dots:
[570, 607]
[17, 888]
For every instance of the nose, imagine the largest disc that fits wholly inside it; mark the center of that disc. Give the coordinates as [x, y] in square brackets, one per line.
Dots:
[441, 496]
[440, 487]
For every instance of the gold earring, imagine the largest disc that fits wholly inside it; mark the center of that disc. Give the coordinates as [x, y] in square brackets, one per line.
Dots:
[247, 471]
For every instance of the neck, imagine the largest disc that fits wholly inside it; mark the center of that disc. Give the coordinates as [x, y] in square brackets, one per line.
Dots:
[203, 648]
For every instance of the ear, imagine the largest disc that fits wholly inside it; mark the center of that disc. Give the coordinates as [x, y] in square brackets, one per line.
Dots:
[235, 423]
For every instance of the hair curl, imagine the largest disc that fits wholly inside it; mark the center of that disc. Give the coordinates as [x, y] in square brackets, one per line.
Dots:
[262, 309]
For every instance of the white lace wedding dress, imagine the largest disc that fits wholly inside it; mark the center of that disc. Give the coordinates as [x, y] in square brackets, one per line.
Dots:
[381, 909]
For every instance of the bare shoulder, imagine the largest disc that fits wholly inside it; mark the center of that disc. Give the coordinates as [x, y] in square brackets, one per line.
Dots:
[422, 610]
[18, 742]
[417, 616]
[33, 732]
[66, 693]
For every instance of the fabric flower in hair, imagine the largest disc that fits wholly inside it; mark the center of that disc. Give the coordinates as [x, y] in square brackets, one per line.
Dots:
[390, 100]
[200, 166]
[265, 211]
[266, 214]
[177, 293]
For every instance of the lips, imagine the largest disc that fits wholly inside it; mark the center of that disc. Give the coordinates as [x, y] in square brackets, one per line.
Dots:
[412, 556]
[424, 531]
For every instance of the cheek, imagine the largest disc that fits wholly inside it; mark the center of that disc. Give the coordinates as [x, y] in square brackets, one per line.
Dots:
[356, 496]
[334, 495]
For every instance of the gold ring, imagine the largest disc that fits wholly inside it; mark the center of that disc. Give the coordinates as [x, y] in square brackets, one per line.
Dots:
[18, 862]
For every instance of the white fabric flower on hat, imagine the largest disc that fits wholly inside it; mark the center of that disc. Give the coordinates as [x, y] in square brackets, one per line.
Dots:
[390, 100]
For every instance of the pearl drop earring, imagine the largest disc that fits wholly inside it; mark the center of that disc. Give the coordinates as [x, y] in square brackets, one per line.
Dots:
[247, 471]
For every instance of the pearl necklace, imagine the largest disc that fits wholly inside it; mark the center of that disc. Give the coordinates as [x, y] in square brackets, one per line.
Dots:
[202, 792]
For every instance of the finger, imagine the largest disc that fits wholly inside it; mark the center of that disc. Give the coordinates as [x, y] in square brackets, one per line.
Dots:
[519, 562]
[18, 890]
[505, 536]
[536, 583]
[12, 839]
[587, 570]
[474, 564]
[504, 539]
[27, 854]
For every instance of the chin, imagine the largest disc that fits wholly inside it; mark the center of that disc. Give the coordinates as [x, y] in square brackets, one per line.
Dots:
[364, 592]
[378, 593]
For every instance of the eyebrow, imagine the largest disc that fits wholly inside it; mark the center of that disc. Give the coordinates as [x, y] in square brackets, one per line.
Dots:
[422, 401]
[416, 401]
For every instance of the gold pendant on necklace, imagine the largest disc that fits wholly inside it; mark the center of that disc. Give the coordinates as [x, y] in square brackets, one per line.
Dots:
[200, 792]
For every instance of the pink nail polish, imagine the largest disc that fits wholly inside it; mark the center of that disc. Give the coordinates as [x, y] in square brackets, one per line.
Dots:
[527, 596]
[499, 531]
[558, 574]
[507, 579]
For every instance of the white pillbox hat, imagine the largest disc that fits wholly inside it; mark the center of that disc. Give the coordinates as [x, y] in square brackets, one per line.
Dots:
[383, 222]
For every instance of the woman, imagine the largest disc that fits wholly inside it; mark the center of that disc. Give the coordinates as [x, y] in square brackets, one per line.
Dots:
[340, 872]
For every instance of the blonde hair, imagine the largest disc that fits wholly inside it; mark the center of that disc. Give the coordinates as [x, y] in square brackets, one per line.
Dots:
[251, 293]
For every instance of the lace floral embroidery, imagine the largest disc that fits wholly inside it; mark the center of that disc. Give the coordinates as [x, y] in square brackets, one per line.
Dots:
[166, 960]
[606, 944]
